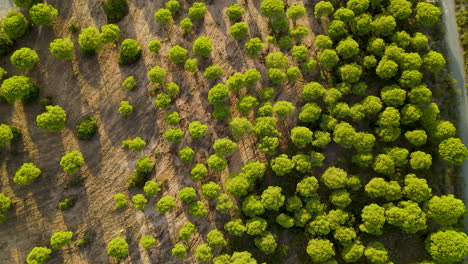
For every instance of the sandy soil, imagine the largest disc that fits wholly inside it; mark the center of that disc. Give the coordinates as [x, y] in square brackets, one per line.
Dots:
[92, 86]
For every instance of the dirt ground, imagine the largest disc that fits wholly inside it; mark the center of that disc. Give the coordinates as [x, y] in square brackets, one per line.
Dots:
[92, 86]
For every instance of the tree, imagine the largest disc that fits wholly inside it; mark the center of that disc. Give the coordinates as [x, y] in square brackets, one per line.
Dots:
[186, 25]
[174, 135]
[320, 250]
[384, 25]
[187, 194]
[235, 227]
[347, 48]
[300, 53]
[323, 42]
[42, 14]
[272, 8]
[157, 75]
[136, 144]
[301, 136]
[210, 190]
[427, 14]
[312, 91]
[266, 243]
[453, 151]
[163, 16]
[197, 209]
[38, 255]
[285, 220]
[246, 104]
[139, 201]
[419, 41]
[151, 188]
[129, 83]
[340, 198]
[178, 54]
[444, 130]
[172, 89]
[179, 251]
[186, 154]
[148, 241]
[420, 95]
[277, 76]
[256, 226]
[6, 135]
[350, 73]
[218, 94]
[239, 30]
[373, 219]
[235, 12]
[307, 187]
[215, 239]
[240, 126]
[165, 204]
[5, 203]
[334, 178]
[376, 253]
[293, 74]
[276, 60]
[61, 239]
[282, 165]
[202, 47]
[115, 10]
[283, 108]
[302, 163]
[216, 163]
[110, 33]
[154, 45]
[6, 44]
[387, 68]
[24, 59]
[90, 41]
[125, 108]
[191, 65]
[120, 201]
[445, 210]
[410, 113]
[117, 248]
[187, 231]
[198, 171]
[393, 95]
[130, 51]
[197, 11]
[254, 46]
[416, 137]
[173, 6]
[323, 8]
[310, 113]
[224, 204]
[352, 252]
[345, 234]
[328, 59]
[407, 215]
[447, 246]
[344, 14]
[272, 198]
[62, 48]
[344, 135]
[72, 161]
[433, 61]
[15, 25]
[416, 189]
[420, 160]
[25, 3]
[213, 72]
[400, 9]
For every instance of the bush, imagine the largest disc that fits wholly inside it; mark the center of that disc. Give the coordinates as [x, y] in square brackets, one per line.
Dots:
[66, 204]
[117, 248]
[61, 239]
[163, 101]
[125, 108]
[148, 241]
[197, 129]
[165, 204]
[130, 51]
[213, 72]
[110, 33]
[129, 83]
[178, 54]
[174, 135]
[90, 41]
[62, 48]
[136, 144]
[38, 255]
[197, 11]
[163, 16]
[202, 47]
[115, 10]
[198, 172]
[186, 25]
[187, 194]
[53, 120]
[186, 155]
[172, 118]
[239, 31]
[86, 128]
[72, 161]
[42, 14]
[15, 25]
[24, 59]
[120, 201]
[157, 75]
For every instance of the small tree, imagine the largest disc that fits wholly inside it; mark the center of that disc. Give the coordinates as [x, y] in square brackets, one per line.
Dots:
[163, 16]
[120, 201]
[110, 33]
[187, 194]
[187, 231]
[323, 8]
[445, 210]
[191, 65]
[38, 255]
[179, 251]
[165, 204]
[115, 10]
[139, 201]
[210, 190]
[239, 31]
[320, 250]
[42, 14]
[203, 252]
[90, 41]
[154, 46]
[447, 246]
[216, 163]
[61, 239]
[148, 241]
[235, 12]
[186, 155]
[254, 46]
[24, 59]
[53, 120]
[157, 75]
[151, 188]
[178, 54]
[72, 161]
[197, 11]
[427, 14]
[453, 151]
[328, 59]
[198, 171]
[272, 8]
[173, 6]
[130, 51]
[15, 25]
[235, 227]
[272, 198]
[163, 101]
[174, 135]
[117, 248]
[125, 108]
[197, 209]
[215, 239]
[376, 253]
[136, 144]
[62, 48]
[213, 72]
[186, 25]
[266, 243]
[202, 47]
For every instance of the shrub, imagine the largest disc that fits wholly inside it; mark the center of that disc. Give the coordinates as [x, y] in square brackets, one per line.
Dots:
[186, 25]
[191, 65]
[15, 25]
[72, 161]
[148, 241]
[163, 16]
[198, 172]
[90, 41]
[129, 83]
[61, 239]
[62, 48]
[110, 33]
[163, 101]
[130, 51]
[174, 135]
[197, 11]
[216, 163]
[42, 14]
[117, 248]
[239, 31]
[53, 120]
[154, 46]
[157, 75]
[197, 129]
[24, 59]
[115, 10]
[125, 108]
[136, 144]
[66, 204]
[213, 72]
[172, 89]
[165, 204]
[172, 118]
[38, 255]
[186, 155]
[202, 47]
[187, 194]
[120, 201]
